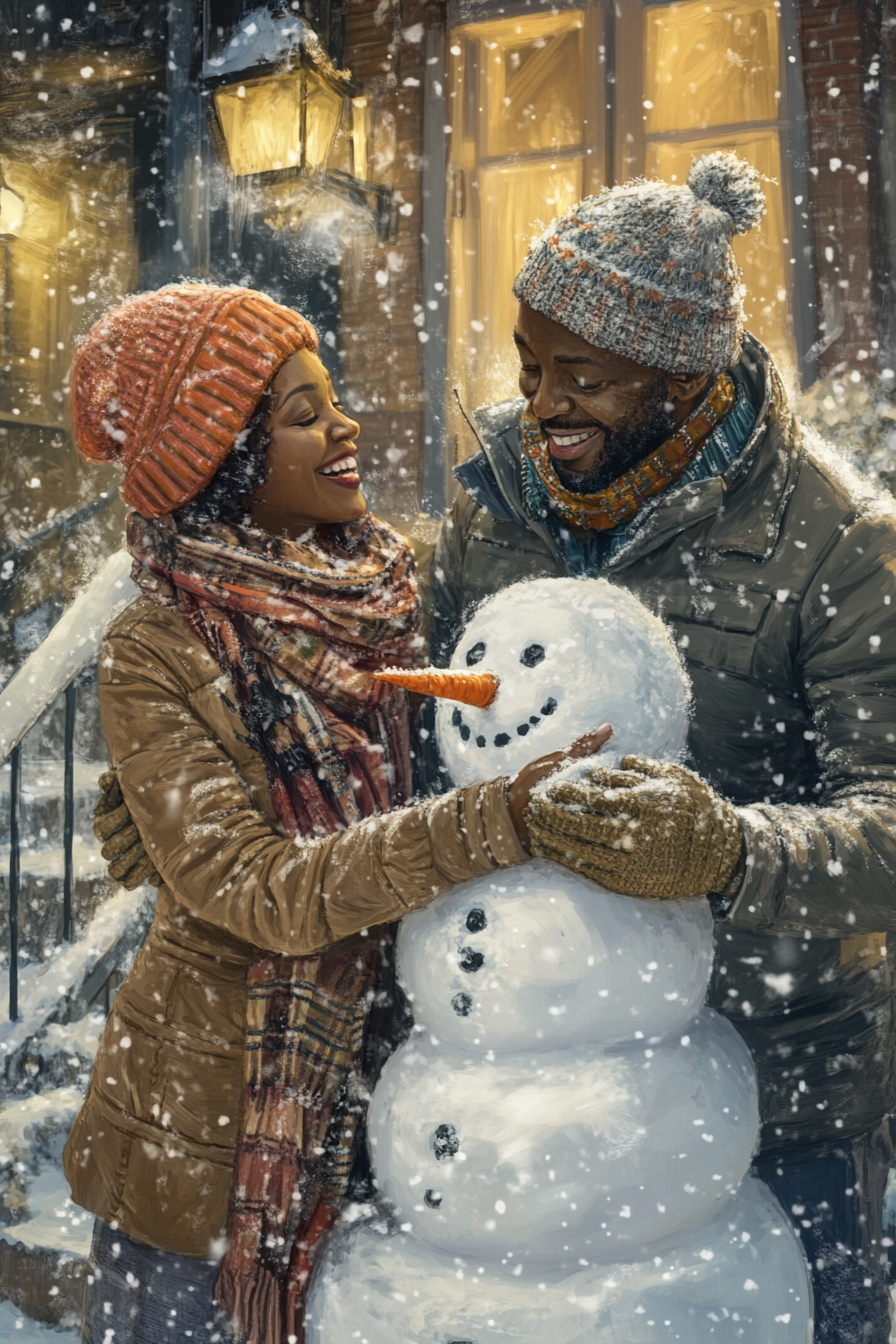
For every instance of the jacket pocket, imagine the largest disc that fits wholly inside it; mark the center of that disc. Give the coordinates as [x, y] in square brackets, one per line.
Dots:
[717, 627]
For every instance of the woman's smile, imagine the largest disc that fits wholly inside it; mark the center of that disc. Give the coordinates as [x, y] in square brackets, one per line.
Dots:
[342, 470]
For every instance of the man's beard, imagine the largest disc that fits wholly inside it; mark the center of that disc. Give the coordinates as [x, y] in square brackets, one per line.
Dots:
[637, 434]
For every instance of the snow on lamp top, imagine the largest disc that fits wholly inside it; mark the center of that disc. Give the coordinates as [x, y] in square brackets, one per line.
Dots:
[568, 655]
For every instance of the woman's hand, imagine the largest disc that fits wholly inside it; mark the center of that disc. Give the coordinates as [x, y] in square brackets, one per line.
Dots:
[519, 790]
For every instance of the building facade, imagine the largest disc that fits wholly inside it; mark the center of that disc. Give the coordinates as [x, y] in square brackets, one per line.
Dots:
[381, 164]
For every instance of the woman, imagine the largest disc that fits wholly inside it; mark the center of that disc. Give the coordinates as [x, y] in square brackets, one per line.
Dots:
[242, 718]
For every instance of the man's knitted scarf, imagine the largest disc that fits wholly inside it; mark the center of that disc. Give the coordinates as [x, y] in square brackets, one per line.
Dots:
[624, 497]
[298, 627]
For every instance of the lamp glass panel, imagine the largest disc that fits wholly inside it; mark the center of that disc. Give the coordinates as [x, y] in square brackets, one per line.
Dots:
[323, 109]
[533, 88]
[360, 136]
[762, 254]
[710, 65]
[261, 123]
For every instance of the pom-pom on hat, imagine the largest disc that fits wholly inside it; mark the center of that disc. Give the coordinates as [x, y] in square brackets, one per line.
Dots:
[164, 384]
[646, 269]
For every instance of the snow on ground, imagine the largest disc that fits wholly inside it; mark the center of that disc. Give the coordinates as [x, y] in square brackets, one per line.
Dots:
[18, 1329]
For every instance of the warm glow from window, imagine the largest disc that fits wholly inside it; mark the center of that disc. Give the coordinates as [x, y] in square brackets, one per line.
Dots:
[711, 80]
[519, 149]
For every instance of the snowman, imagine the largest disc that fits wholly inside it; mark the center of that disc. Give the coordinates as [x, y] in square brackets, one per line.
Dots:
[564, 1140]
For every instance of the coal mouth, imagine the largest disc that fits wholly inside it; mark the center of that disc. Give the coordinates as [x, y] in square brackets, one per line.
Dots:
[502, 739]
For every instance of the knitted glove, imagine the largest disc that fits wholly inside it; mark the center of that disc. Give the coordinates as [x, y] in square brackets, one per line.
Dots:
[129, 865]
[645, 829]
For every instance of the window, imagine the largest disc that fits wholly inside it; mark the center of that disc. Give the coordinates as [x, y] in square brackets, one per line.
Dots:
[547, 107]
[710, 78]
[525, 112]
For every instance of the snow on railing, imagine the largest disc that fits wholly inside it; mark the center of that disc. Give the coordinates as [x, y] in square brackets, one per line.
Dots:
[50, 670]
[73, 642]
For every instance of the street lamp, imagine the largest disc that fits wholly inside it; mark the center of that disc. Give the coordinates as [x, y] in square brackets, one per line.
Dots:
[277, 112]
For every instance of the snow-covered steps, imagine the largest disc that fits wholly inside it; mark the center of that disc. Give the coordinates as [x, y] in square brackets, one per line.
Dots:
[41, 803]
[41, 855]
[47, 864]
[44, 1237]
[45, 1061]
[18, 1328]
[60, 990]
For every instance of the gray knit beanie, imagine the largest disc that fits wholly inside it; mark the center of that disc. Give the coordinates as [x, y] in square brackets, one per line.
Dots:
[647, 270]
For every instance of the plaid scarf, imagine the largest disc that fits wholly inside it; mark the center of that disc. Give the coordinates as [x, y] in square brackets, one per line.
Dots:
[621, 500]
[299, 626]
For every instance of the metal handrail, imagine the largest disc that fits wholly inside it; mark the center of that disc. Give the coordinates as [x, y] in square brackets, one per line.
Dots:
[51, 670]
[73, 642]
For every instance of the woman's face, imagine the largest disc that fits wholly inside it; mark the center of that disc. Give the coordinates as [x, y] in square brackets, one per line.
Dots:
[311, 462]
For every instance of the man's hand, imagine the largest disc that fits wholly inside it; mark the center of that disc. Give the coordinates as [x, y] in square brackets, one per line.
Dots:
[646, 829]
[520, 788]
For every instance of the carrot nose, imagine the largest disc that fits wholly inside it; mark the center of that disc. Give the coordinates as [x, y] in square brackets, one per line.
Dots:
[470, 688]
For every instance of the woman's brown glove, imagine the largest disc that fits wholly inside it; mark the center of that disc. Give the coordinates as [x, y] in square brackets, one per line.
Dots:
[645, 829]
[130, 865]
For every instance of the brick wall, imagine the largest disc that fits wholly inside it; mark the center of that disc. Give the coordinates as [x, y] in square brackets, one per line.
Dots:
[839, 45]
[382, 290]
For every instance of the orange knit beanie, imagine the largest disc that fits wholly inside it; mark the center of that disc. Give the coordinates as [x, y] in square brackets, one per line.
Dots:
[164, 384]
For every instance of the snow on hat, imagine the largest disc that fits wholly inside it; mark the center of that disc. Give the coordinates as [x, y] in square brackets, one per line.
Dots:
[164, 384]
[646, 269]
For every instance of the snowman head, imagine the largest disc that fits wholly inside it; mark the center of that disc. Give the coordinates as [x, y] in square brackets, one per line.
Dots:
[556, 658]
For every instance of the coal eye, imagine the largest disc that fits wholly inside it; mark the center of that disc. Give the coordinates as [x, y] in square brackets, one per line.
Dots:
[476, 654]
[533, 655]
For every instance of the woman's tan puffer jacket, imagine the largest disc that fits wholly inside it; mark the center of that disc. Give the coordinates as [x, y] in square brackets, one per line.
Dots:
[153, 1147]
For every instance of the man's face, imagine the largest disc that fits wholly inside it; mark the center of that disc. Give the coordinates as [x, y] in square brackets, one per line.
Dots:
[601, 413]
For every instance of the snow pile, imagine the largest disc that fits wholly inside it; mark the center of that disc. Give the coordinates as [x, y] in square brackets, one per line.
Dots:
[857, 413]
[262, 38]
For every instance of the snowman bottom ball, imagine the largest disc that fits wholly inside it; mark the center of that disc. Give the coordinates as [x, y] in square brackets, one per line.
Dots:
[609, 1150]
[740, 1279]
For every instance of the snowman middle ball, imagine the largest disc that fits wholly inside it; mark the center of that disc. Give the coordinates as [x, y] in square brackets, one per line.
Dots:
[606, 1151]
[535, 958]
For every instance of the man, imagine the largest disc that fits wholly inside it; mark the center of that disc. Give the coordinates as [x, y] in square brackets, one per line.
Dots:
[655, 447]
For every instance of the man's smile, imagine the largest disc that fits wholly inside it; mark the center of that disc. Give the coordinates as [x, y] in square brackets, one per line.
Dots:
[574, 442]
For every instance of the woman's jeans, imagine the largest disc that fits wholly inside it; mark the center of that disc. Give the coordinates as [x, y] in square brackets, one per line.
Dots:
[147, 1296]
[833, 1195]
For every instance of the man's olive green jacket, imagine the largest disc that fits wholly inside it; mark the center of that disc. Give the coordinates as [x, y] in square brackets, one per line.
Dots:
[778, 580]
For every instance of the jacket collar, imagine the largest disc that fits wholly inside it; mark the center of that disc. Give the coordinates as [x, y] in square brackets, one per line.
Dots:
[762, 471]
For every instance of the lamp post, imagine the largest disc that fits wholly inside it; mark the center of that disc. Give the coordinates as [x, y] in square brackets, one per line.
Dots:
[276, 121]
